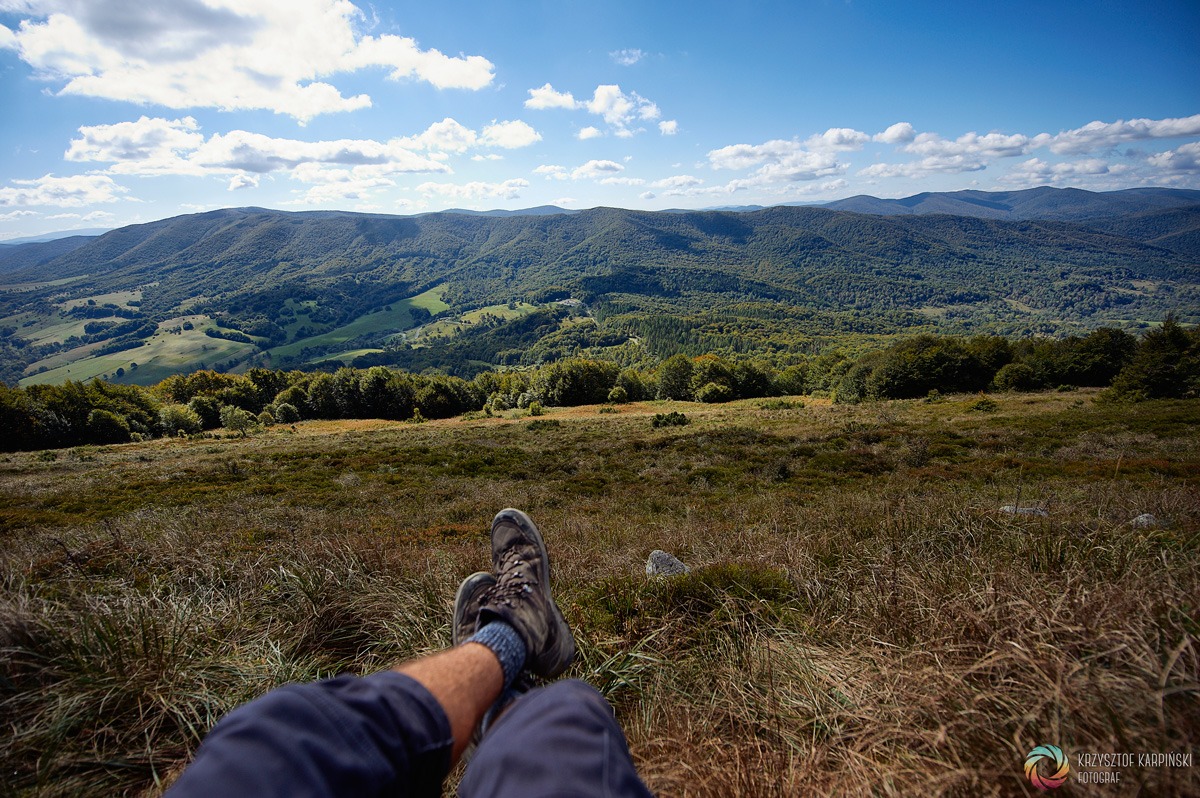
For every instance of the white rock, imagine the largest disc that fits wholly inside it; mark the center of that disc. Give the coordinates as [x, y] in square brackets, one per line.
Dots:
[662, 564]
[1144, 521]
[1013, 509]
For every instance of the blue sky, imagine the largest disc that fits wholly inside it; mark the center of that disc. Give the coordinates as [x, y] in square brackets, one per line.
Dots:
[124, 111]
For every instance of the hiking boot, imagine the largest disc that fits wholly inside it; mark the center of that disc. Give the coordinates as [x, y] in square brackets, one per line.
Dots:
[466, 605]
[521, 596]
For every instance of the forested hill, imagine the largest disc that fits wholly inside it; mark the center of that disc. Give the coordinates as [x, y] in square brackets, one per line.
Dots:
[766, 281]
[1045, 202]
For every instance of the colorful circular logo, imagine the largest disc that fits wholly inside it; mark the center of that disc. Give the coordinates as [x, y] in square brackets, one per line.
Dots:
[1054, 760]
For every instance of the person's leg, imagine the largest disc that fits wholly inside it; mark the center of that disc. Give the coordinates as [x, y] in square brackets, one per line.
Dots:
[466, 681]
[367, 736]
[342, 736]
[561, 740]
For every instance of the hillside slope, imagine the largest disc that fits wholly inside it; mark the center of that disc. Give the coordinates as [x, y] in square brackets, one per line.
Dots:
[1044, 202]
[781, 279]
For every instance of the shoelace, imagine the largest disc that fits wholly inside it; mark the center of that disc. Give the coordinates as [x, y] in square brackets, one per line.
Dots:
[513, 582]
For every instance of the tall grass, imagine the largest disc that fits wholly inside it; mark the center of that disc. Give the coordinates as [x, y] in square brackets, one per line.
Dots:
[860, 618]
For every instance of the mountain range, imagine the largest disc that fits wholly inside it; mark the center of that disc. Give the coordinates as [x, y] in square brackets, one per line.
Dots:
[244, 286]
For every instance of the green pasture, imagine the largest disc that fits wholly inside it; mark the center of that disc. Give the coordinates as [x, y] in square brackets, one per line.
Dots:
[395, 319]
[165, 353]
[21, 287]
[345, 357]
[119, 298]
[446, 328]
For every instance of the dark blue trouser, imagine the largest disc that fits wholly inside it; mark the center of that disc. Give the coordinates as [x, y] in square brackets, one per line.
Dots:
[561, 740]
[385, 735]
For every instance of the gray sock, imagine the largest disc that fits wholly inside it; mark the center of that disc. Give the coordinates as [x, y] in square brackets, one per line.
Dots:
[508, 647]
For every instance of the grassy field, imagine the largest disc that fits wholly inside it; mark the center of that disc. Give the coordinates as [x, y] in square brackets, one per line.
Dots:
[445, 328]
[861, 619]
[118, 298]
[164, 353]
[395, 318]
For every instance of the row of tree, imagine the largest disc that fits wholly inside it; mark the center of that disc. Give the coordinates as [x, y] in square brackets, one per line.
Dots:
[1165, 362]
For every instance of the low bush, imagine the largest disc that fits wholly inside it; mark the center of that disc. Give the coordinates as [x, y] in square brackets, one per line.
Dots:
[672, 419]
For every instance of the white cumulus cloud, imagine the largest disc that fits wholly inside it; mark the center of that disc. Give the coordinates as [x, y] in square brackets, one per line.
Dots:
[933, 165]
[509, 135]
[596, 168]
[621, 111]
[509, 189]
[781, 161]
[62, 192]
[546, 97]
[589, 132]
[974, 145]
[248, 55]
[837, 139]
[445, 136]
[677, 181]
[1185, 159]
[627, 57]
[668, 127]
[899, 133]
[242, 180]
[1094, 172]
[146, 146]
[1097, 136]
[552, 171]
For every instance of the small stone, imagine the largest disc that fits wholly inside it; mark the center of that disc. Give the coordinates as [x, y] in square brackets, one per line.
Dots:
[1145, 521]
[1013, 509]
[663, 564]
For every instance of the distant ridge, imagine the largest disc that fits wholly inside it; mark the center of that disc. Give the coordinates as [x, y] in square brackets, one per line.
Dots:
[14, 257]
[1044, 202]
[540, 210]
[44, 237]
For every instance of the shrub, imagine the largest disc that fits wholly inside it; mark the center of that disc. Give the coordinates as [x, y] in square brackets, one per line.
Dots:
[912, 367]
[266, 419]
[634, 385]
[1016, 377]
[207, 409]
[675, 378]
[714, 393]
[781, 404]
[709, 369]
[104, 426]
[1165, 366]
[536, 409]
[618, 395]
[235, 419]
[792, 380]
[286, 413]
[576, 382]
[984, 404]
[176, 419]
[672, 419]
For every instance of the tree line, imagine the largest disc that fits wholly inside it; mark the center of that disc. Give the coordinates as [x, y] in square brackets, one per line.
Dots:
[1163, 363]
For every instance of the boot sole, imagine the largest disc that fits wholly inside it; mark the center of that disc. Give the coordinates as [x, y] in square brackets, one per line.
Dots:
[466, 590]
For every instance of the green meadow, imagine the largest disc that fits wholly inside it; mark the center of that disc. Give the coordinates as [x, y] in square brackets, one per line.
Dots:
[862, 616]
[395, 319]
